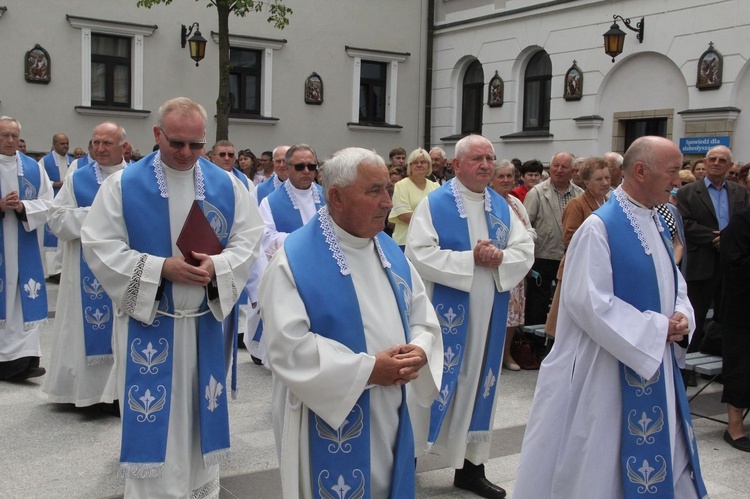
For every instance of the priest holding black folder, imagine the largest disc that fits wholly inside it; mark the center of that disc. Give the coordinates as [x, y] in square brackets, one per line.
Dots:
[175, 422]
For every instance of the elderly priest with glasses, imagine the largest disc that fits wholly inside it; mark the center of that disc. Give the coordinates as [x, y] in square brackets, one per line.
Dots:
[170, 301]
[350, 334]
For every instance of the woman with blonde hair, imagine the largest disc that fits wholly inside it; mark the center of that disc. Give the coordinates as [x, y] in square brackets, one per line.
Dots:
[407, 193]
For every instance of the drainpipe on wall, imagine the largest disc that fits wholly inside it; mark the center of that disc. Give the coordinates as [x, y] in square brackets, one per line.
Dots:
[428, 75]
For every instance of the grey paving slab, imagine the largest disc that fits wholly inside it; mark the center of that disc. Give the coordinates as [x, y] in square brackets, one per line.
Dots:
[53, 451]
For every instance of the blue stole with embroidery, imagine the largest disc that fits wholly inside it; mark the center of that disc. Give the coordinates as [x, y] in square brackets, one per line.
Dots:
[30, 275]
[96, 306]
[148, 377]
[286, 216]
[53, 172]
[267, 187]
[452, 308]
[646, 457]
[340, 457]
[232, 325]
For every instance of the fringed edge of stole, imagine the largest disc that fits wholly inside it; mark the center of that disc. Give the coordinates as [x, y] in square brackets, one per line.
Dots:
[216, 457]
[100, 360]
[140, 470]
[477, 437]
[31, 325]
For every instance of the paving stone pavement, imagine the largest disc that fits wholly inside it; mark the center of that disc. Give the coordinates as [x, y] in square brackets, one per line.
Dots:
[55, 451]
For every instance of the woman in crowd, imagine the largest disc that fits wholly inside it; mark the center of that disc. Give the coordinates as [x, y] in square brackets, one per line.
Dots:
[407, 193]
[735, 266]
[686, 177]
[503, 180]
[531, 173]
[745, 176]
[595, 176]
[698, 168]
[247, 163]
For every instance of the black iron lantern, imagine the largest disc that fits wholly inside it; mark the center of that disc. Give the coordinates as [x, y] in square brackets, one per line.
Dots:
[614, 39]
[197, 42]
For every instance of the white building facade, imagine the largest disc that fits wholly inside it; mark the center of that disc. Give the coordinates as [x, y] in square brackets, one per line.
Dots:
[652, 88]
[115, 61]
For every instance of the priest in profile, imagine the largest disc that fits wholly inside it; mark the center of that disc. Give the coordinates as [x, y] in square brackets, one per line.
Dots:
[175, 422]
[348, 343]
[610, 415]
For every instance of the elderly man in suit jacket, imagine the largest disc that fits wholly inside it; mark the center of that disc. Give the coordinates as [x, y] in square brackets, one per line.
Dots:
[706, 206]
[545, 204]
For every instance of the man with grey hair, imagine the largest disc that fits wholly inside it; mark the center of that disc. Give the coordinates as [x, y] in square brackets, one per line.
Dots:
[471, 250]
[345, 339]
[439, 160]
[81, 359]
[285, 210]
[545, 203]
[26, 193]
[614, 161]
[706, 207]
[280, 174]
[171, 298]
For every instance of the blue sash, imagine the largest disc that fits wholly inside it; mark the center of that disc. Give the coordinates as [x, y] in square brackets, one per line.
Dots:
[286, 213]
[242, 177]
[646, 457]
[96, 306]
[452, 308]
[30, 275]
[267, 187]
[340, 457]
[53, 172]
[148, 377]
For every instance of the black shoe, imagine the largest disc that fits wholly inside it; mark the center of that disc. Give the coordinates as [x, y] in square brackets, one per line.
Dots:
[688, 377]
[54, 278]
[256, 360]
[742, 443]
[31, 372]
[112, 409]
[472, 478]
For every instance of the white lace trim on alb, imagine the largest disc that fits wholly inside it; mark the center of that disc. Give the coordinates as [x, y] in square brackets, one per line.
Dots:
[98, 173]
[200, 188]
[625, 204]
[290, 192]
[460, 200]
[335, 247]
[19, 166]
[276, 181]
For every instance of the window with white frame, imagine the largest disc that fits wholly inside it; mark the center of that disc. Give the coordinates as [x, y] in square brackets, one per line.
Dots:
[251, 77]
[111, 66]
[374, 87]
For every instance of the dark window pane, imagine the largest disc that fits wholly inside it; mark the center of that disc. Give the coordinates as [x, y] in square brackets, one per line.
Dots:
[639, 128]
[110, 70]
[537, 92]
[372, 91]
[473, 88]
[245, 81]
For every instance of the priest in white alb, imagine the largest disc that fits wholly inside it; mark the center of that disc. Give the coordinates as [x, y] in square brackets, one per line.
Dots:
[81, 358]
[610, 417]
[349, 331]
[471, 250]
[175, 422]
[25, 194]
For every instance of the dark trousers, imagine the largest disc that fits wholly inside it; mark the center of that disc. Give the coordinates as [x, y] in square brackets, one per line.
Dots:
[702, 294]
[14, 367]
[539, 290]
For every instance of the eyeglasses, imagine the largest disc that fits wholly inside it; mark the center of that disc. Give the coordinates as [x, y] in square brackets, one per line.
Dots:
[224, 154]
[301, 166]
[179, 144]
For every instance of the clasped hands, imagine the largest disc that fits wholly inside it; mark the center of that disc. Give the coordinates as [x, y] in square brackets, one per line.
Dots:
[11, 202]
[678, 327]
[487, 254]
[176, 269]
[398, 365]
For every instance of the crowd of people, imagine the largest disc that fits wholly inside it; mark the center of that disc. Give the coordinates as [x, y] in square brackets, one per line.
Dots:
[385, 298]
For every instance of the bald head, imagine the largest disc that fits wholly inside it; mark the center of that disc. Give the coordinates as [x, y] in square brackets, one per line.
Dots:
[60, 144]
[651, 169]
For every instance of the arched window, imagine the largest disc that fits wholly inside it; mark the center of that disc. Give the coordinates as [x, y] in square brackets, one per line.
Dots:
[473, 91]
[537, 83]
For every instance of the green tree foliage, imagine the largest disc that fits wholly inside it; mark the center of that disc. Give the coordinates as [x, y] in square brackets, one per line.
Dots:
[278, 15]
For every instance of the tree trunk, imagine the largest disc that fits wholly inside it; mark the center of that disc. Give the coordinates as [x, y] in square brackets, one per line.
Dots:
[222, 101]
